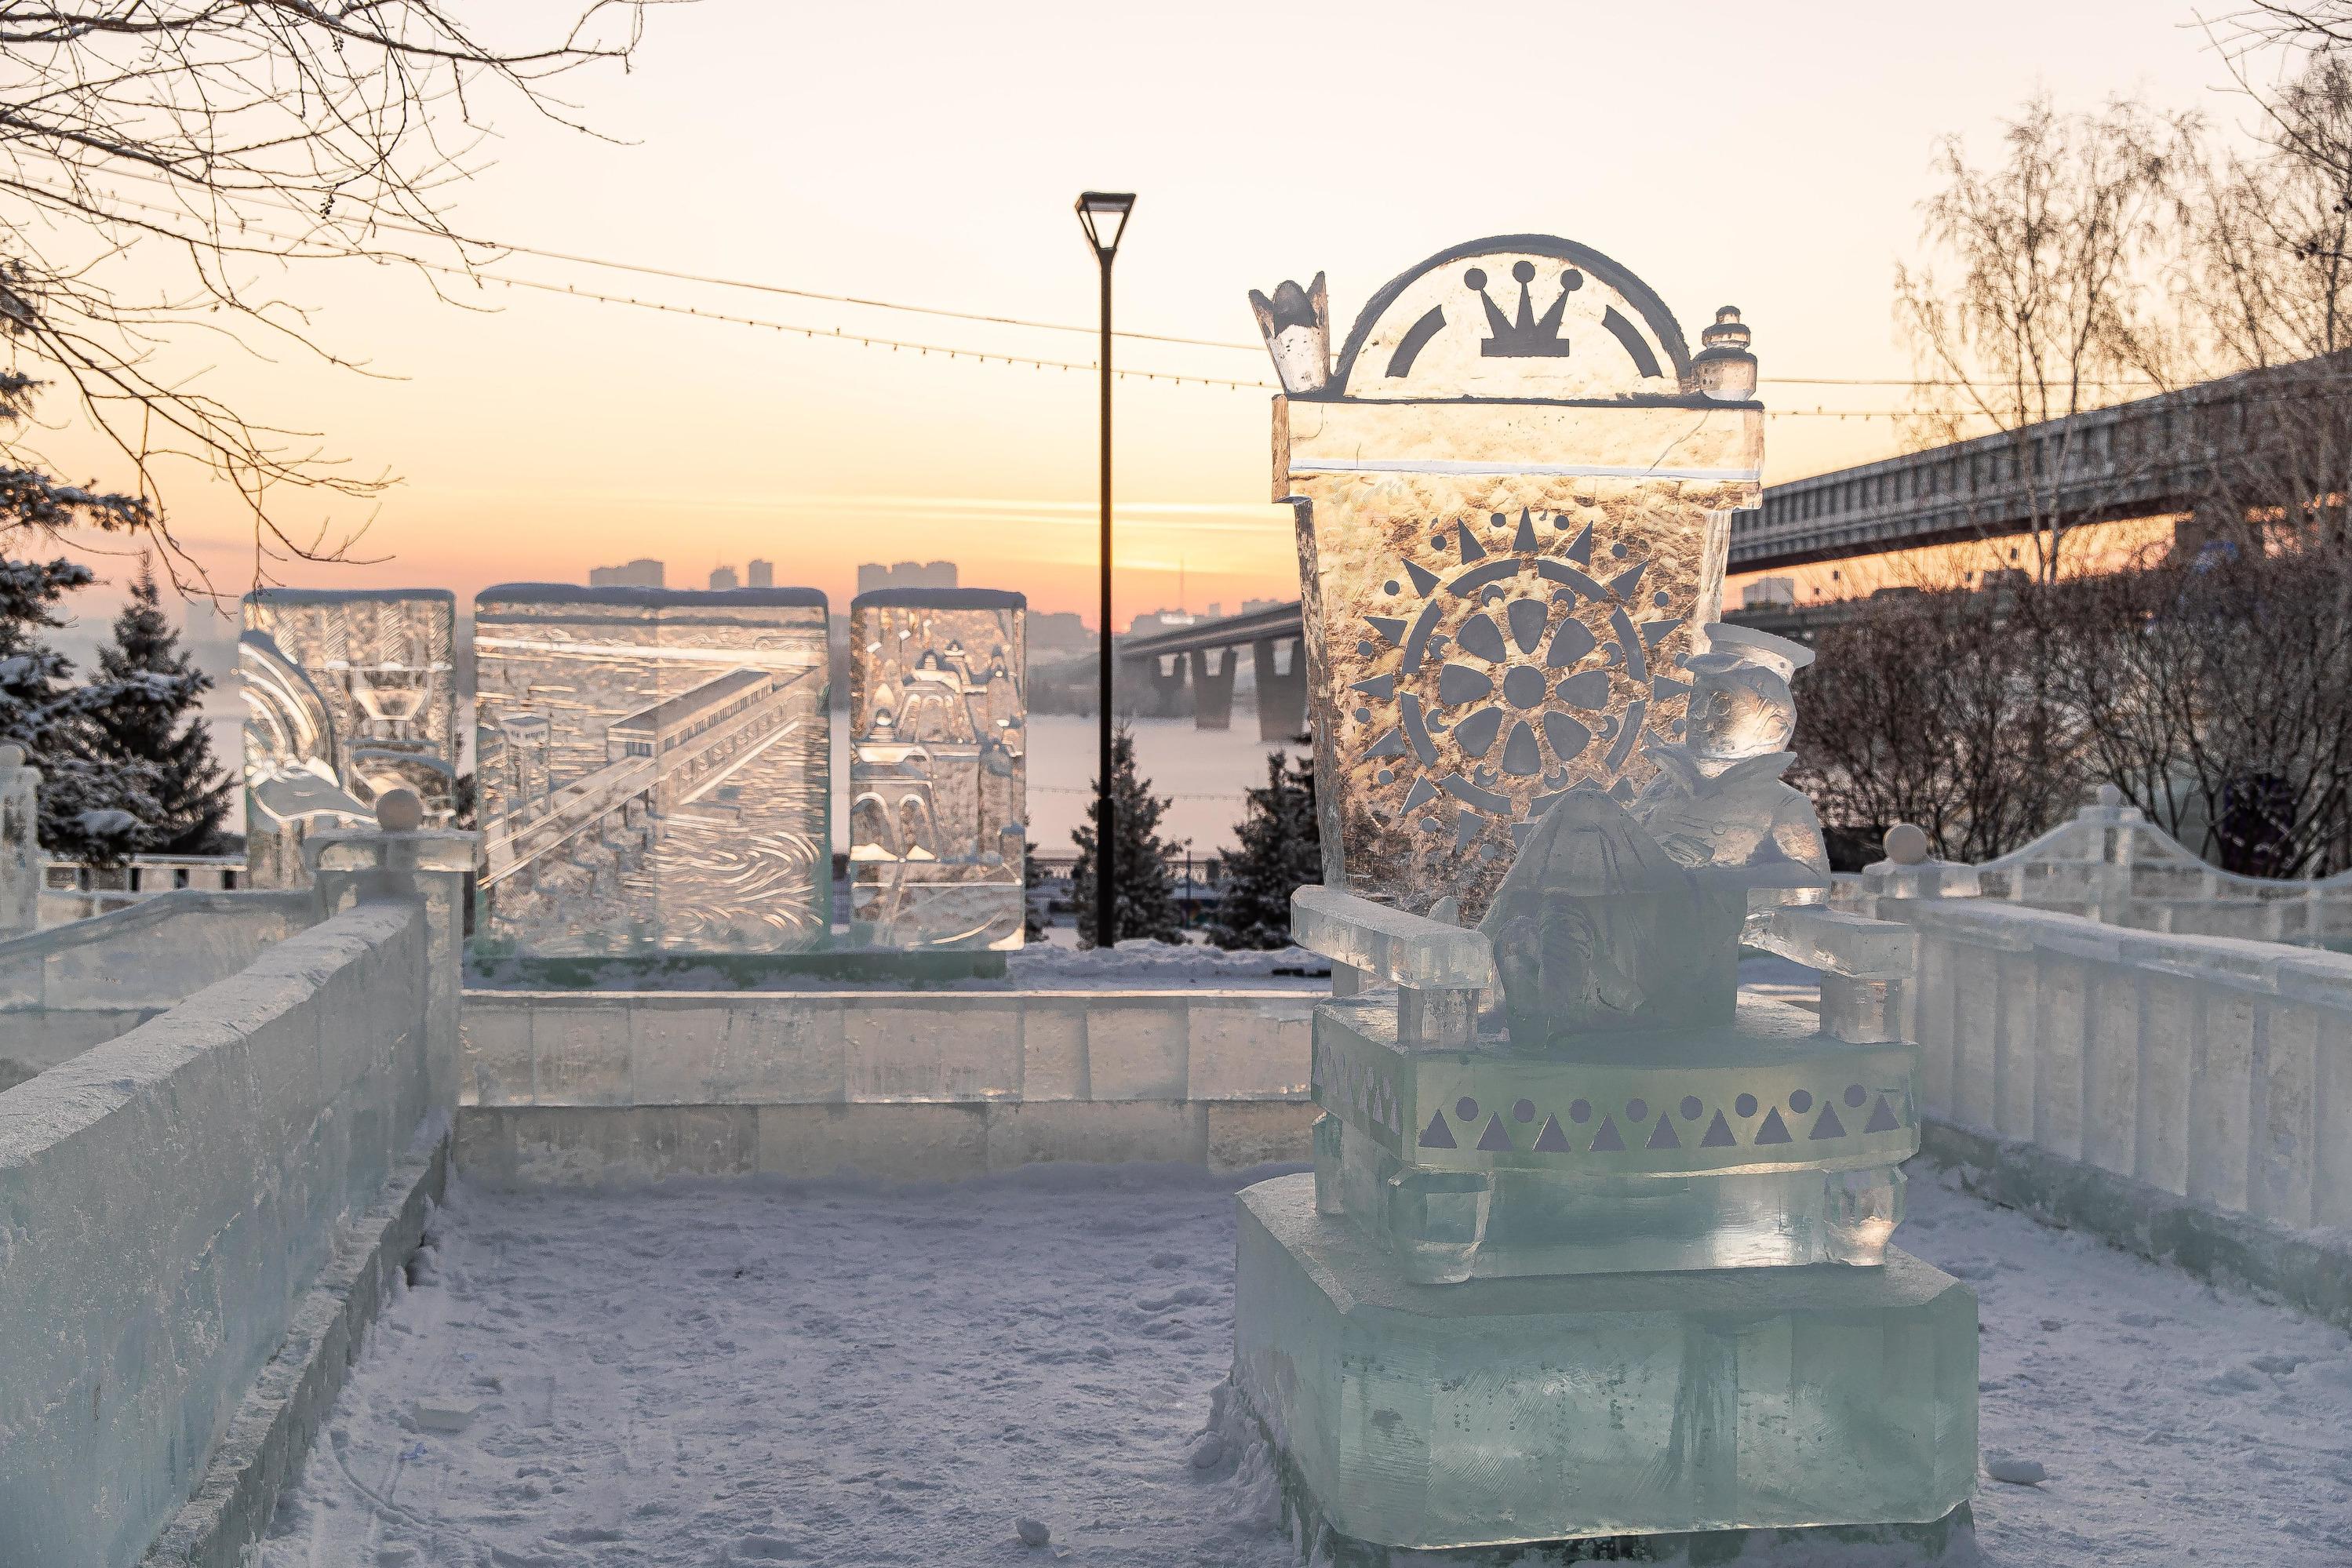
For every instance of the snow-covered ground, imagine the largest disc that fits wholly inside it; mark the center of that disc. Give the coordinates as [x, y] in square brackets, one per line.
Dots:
[741, 1372]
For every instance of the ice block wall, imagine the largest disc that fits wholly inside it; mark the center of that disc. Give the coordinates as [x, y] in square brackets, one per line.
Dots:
[938, 767]
[653, 769]
[349, 694]
[1512, 516]
[173, 1196]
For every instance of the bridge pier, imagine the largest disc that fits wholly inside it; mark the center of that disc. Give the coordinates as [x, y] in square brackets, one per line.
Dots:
[1281, 694]
[1166, 675]
[1213, 687]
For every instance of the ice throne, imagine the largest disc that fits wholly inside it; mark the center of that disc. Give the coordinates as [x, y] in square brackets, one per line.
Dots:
[1594, 1246]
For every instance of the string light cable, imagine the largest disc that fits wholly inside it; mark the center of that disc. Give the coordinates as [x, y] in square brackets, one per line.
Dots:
[482, 277]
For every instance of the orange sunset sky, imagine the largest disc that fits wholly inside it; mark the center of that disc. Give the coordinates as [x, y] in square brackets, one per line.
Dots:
[1766, 156]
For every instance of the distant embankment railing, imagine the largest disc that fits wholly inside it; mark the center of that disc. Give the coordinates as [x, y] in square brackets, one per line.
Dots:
[903, 1085]
[2189, 1097]
[73, 891]
[68, 988]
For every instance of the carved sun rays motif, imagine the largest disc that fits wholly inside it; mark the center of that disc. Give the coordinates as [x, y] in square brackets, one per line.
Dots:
[1518, 668]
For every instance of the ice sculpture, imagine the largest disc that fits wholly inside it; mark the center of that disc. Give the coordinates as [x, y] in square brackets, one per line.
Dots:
[350, 693]
[938, 767]
[20, 843]
[1504, 547]
[1548, 1279]
[653, 766]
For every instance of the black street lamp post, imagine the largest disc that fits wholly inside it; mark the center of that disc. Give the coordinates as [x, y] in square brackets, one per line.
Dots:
[1102, 214]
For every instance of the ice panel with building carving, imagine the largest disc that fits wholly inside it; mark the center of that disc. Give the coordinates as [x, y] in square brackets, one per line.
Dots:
[938, 767]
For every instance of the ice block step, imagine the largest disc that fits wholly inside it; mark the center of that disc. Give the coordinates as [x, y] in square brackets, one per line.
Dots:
[1521, 1410]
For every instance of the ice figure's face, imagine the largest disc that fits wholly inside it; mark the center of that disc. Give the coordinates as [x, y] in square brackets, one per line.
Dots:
[1738, 709]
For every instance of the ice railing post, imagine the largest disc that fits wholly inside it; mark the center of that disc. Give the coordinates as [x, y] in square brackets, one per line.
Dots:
[20, 847]
[1910, 872]
[1439, 969]
[403, 859]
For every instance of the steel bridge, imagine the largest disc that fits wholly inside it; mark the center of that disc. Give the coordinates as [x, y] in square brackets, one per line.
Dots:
[666, 758]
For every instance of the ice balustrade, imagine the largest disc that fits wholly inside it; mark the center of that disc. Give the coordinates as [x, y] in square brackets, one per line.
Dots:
[69, 986]
[2111, 863]
[196, 1209]
[1512, 507]
[2214, 1070]
[938, 767]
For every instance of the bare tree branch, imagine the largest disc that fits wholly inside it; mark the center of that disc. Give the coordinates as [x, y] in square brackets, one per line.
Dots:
[231, 135]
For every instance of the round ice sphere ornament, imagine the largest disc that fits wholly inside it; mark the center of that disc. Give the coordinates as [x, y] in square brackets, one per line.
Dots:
[399, 811]
[1907, 844]
[1737, 708]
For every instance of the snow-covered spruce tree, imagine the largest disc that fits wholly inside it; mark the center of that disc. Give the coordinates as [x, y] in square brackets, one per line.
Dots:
[1280, 851]
[147, 713]
[1146, 894]
[1033, 877]
[91, 809]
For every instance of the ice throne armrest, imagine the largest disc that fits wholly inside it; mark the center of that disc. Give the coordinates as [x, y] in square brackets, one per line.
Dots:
[1862, 963]
[1854, 946]
[1438, 970]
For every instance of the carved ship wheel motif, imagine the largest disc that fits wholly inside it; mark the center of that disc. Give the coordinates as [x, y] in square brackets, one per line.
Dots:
[1517, 674]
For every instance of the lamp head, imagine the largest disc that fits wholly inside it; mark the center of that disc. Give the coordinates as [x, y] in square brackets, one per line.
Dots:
[1102, 214]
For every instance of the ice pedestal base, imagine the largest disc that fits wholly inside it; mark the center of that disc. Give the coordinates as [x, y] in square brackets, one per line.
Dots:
[1500, 1411]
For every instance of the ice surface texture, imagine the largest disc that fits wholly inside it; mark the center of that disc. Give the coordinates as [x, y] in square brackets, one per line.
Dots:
[938, 767]
[654, 770]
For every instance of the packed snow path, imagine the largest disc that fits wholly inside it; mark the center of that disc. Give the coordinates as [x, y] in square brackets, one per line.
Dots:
[713, 1373]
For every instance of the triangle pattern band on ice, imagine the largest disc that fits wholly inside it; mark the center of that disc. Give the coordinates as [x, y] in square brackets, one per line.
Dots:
[1495, 1137]
[1829, 1127]
[1606, 1141]
[1718, 1134]
[1437, 1134]
[1882, 1119]
[1551, 1140]
[1774, 1131]
[1661, 1136]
